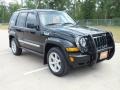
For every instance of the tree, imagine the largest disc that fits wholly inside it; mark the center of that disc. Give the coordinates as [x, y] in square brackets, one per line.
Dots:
[115, 12]
[104, 9]
[78, 9]
[4, 14]
[88, 9]
[30, 4]
[13, 7]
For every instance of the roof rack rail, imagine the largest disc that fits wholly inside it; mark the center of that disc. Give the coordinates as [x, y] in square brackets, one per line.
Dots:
[23, 9]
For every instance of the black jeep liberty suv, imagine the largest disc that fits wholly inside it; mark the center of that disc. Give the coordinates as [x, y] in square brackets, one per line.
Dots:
[55, 35]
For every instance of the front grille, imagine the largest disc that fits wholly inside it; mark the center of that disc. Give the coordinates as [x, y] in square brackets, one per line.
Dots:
[100, 41]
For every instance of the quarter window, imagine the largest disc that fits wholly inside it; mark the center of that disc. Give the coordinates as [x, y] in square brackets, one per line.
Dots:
[13, 19]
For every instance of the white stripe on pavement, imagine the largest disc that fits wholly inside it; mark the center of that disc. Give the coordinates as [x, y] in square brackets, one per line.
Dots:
[36, 70]
[117, 44]
[4, 53]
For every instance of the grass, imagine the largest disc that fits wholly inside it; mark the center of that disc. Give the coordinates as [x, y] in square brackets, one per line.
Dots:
[4, 26]
[114, 29]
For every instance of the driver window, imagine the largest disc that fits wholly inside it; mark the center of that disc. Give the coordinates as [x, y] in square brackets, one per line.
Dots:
[31, 21]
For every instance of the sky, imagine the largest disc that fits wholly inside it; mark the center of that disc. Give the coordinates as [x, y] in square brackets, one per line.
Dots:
[8, 1]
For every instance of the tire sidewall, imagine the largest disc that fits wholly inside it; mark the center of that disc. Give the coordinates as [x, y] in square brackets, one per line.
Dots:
[64, 64]
[18, 50]
[13, 40]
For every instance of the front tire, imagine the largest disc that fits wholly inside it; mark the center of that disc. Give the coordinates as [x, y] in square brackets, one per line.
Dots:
[14, 47]
[57, 62]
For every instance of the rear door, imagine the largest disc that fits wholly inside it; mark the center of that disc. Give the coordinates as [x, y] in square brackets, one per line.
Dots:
[20, 26]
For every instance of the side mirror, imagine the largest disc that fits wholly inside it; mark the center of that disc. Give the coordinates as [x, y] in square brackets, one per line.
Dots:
[32, 26]
[77, 22]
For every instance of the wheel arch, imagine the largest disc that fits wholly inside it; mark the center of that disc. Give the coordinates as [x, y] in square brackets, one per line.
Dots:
[56, 42]
[10, 38]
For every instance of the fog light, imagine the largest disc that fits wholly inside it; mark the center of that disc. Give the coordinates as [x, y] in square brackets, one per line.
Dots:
[72, 59]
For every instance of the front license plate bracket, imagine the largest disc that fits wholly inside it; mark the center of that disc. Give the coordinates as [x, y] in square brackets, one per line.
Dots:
[103, 55]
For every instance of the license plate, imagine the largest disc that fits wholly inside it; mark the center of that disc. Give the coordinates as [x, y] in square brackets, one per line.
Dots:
[103, 55]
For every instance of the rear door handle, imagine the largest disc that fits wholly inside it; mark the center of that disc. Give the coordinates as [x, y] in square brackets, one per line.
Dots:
[19, 30]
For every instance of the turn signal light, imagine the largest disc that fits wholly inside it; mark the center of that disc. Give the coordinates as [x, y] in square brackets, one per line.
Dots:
[74, 49]
[71, 59]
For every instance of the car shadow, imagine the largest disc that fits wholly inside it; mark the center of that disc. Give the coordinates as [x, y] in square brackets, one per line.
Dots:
[81, 71]
[85, 71]
[32, 57]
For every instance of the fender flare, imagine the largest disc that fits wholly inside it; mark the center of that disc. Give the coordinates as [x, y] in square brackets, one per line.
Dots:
[62, 44]
[13, 35]
[59, 42]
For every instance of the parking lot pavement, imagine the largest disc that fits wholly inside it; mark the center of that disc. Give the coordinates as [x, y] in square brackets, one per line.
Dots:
[27, 72]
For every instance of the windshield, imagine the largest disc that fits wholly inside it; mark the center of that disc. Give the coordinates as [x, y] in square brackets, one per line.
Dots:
[55, 17]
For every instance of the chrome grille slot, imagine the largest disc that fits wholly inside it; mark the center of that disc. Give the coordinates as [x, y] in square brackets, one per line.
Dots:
[100, 41]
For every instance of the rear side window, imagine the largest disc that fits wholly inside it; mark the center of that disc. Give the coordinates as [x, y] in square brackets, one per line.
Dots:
[13, 19]
[21, 19]
[31, 20]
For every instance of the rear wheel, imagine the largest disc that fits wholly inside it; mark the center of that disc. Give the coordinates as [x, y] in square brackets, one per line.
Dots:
[14, 47]
[57, 62]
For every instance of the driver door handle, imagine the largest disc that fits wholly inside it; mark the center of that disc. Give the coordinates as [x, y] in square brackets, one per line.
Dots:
[33, 32]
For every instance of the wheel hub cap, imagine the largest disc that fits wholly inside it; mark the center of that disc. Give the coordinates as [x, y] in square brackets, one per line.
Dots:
[54, 62]
[13, 46]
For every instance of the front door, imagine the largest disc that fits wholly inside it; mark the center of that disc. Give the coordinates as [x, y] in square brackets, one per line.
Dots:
[31, 34]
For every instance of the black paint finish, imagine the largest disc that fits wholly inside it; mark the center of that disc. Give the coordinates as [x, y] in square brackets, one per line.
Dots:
[62, 36]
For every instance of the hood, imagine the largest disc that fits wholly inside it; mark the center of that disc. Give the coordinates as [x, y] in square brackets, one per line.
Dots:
[76, 30]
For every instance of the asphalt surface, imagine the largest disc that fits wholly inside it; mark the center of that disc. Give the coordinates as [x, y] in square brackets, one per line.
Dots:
[27, 72]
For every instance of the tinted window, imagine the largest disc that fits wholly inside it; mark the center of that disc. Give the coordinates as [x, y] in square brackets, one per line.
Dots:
[31, 20]
[13, 19]
[21, 19]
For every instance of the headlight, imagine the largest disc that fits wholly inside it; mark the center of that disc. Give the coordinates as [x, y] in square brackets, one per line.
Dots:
[82, 42]
[77, 40]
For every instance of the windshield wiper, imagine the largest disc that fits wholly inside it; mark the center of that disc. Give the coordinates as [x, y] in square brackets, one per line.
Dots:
[52, 24]
[67, 23]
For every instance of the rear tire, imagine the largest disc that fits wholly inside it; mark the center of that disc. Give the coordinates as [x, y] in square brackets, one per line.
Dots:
[14, 47]
[57, 62]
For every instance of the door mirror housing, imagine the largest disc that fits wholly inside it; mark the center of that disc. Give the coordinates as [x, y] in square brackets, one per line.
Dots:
[77, 22]
[32, 26]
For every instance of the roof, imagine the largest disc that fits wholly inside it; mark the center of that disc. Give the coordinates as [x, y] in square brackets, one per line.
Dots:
[26, 9]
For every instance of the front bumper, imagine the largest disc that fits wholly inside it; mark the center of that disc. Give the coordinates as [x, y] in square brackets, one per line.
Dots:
[82, 60]
[79, 60]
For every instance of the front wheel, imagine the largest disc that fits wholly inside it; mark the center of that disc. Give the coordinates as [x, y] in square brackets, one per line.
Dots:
[57, 62]
[14, 47]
